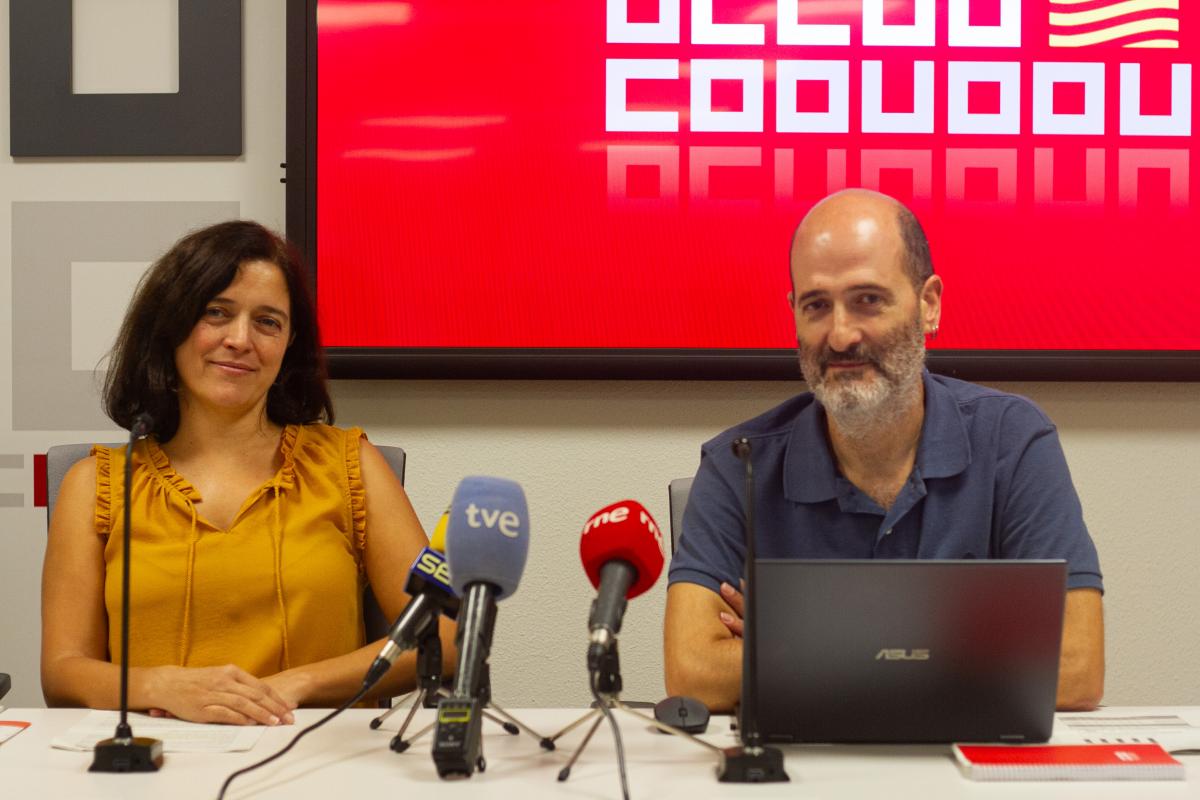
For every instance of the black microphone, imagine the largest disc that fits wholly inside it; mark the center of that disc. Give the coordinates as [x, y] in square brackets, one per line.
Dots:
[752, 762]
[608, 609]
[429, 587]
[124, 752]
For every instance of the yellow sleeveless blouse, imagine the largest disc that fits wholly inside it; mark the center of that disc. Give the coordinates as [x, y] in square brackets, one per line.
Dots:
[281, 588]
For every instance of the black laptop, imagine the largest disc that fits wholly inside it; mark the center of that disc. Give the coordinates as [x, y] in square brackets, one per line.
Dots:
[908, 651]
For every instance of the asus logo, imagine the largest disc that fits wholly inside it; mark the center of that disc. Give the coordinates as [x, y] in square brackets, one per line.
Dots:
[887, 654]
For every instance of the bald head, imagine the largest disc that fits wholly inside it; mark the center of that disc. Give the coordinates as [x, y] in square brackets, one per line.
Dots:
[853, 224]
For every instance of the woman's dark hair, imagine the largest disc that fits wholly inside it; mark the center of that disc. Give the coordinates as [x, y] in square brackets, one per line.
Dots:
[168, 303]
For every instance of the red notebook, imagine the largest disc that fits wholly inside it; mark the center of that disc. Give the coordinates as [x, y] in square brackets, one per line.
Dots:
[1070, 762]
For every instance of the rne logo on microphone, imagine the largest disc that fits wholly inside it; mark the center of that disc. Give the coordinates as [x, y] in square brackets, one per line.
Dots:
[621, 514]
[506, 522]
[653, 526]
[610, 515]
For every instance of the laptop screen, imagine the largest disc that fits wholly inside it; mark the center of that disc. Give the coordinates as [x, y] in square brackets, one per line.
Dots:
[908, 651]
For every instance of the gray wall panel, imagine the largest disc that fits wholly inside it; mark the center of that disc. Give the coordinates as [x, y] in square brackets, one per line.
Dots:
[48, 394]
[46, 118]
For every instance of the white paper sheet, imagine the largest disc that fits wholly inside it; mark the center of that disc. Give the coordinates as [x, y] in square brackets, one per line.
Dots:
[1173, 732]
[176, 736]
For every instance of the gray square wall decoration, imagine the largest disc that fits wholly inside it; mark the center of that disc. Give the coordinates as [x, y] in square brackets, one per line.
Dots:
[48, 394]
[204, 118]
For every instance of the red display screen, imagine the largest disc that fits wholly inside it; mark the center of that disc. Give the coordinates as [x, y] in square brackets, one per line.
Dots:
[626, 174]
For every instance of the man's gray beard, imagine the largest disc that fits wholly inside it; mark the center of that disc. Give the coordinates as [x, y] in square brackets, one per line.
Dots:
[860, 407]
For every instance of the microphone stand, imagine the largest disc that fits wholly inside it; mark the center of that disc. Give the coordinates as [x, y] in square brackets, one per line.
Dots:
[125, 752]
[751, 762]
[458, 745]
[608, 685]
[429, 689]
[429, 677]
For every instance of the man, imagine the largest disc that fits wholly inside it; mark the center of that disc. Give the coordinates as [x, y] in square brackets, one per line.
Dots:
[880, 460]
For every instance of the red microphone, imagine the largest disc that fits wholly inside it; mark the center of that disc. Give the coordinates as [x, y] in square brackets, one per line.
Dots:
[621, 549]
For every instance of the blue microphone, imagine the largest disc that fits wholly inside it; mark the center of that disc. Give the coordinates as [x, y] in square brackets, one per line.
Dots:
[487, 542]
[487, 536]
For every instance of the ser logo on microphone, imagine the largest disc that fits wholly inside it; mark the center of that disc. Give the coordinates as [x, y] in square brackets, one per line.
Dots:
[433, 564]
[507, 522]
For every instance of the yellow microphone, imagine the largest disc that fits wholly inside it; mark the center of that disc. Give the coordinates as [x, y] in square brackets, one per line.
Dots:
[438, 540]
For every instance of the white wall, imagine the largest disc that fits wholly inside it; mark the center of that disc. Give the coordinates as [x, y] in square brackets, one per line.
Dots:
[1134, 450]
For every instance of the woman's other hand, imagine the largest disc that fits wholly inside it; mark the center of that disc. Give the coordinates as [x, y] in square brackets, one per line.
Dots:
[225, 694]
[294, 686]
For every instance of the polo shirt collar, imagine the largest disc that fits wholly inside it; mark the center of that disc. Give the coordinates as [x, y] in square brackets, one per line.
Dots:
[810, 475]
[945, 448]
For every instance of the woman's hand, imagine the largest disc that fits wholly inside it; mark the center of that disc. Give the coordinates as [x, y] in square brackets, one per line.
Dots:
[225, 694]
[293, 685]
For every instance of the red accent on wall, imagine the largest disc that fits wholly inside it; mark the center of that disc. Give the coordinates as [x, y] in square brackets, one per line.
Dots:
[39, 480]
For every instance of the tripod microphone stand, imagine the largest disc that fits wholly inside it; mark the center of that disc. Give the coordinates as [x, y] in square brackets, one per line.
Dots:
[607, 676]
[429, 689]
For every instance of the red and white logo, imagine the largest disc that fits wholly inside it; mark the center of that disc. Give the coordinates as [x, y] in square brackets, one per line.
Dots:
[1127, 23]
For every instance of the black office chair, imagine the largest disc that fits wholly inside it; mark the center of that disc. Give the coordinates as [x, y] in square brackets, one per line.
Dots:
[677, 492]
[61, 458]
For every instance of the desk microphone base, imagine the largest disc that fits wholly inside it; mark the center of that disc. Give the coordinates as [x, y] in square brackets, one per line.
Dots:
[596, 715]
[751, 765]
[426, 698]
[136, 754]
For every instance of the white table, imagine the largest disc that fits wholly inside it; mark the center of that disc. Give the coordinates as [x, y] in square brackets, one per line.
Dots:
[347, 760]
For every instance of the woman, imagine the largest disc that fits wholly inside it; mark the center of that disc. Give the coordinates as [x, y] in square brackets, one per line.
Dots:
[254, 523]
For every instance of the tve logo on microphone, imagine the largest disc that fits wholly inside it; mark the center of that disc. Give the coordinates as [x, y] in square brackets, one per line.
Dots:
[507, 522]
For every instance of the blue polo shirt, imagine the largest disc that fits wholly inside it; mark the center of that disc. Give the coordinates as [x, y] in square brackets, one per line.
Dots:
[989, 481]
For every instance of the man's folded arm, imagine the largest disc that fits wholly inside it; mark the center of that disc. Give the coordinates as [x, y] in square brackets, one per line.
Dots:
[1042, 518]
[1081, 665]
[701, 657]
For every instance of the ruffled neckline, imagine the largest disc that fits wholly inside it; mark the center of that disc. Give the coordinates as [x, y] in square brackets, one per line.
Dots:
[285, 478]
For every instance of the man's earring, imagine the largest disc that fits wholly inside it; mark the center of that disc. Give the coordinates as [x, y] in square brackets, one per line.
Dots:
[933, 332]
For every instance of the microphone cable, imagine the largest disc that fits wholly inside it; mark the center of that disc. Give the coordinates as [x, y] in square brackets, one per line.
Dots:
[602, 704]
[361, 693]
